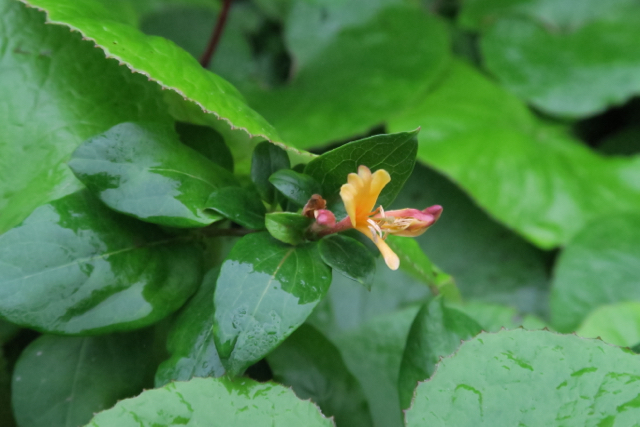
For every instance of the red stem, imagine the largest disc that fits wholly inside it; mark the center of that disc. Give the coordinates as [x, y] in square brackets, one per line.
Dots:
[205, 59]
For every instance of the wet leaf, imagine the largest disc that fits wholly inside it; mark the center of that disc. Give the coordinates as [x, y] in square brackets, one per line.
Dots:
[296, 187]
[240, 205]
[75, 267]
[207, 142]
[349, 257]
[265, 290]
[288, 227]
[267, 159]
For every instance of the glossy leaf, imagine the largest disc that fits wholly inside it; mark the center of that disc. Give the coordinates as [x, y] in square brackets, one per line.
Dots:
[190, 342]
[395, 153]
[240, 205]
[159, 59]
[288, 227]
[265, 290]
[600, 266]
[296, 187]
[436, 332]
[214, 401]
[530, 378]
[63, 381]
[548, 52]
[267, 159]
[75, 267]
[311, 365]
[617, 324]
[207, 142]
[566, 184]
[349, 257]
[141, 169]
[86, 94]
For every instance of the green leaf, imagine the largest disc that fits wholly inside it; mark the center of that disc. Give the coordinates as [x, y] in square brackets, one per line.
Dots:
[436, 332]
[296, 187]
[75, 267]
[530, 378]
[207, 142]
[493, 317]
[141, 169]
[356, 63]
[190, 342]
[617, 324]
[548, 52]
[267, 159]
[265, 290]
[600, 266]
[63, 381]
[158, 59]
[349, 257]
[6, 414]
[214, 401]
[288, 227]
[53, 112]
[240, 205]
[395, 153]
[566, 184]
[313, 367]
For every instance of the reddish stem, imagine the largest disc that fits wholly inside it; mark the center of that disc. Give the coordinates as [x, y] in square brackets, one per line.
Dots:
[205, 59]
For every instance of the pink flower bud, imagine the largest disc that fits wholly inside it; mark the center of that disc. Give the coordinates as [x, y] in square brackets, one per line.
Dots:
[325, 218]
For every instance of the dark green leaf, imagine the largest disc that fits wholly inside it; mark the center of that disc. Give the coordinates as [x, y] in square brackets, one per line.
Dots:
[349, 257]
[190, 341]
[63, 381]
[6, 414]
[313, 367]
[617, 324]
[436, 332]
[74, 266]
[267, 159]
[214, 402]
[601, 265]
[530, 378]
[288, 227]
[207, 142]
[141, 169]
[395, 153]
[265, 290]
[241, 205]
[296, 187]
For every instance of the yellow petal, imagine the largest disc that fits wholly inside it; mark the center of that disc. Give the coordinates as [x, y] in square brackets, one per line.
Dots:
[355, 180]
[348, 198]
[390, 257]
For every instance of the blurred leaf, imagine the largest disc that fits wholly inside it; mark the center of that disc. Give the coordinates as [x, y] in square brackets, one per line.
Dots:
[626, 142]
[141, 169]
[487, 142]
[395, 153]
[7, 331]
[159, 59]
[436, 332]
[63, 381]
[214, 401]
[75, 267]
[288, 227]
[241, 205]
[45, 115]
[296, 187]
[493, 317]
[349, 257]
[6, 414]
[190, 342]
[548, 52]
[617, 324]
[531, 378]
[267, 159]
[354, 63]
[600, 266]
[313, 367]
[265, 290]
[207, 142]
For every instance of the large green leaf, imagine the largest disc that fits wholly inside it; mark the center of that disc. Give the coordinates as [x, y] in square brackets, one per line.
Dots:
[355, 62]
[530, 378]
[436, 332]
[600, 266]
[265, 290]
[57, 91]
[158, 59]
[190, 340]
[532, 177]
[548, 52]
[349, 257]
[63, 381]
[395, 153]
[493, 317]
[142, 169]
[617, 324]
[6, 414]
[313, 367]
[74, 266]
[213, 402]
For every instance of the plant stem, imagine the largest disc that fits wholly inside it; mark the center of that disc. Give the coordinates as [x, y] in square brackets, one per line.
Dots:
[205, 59]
